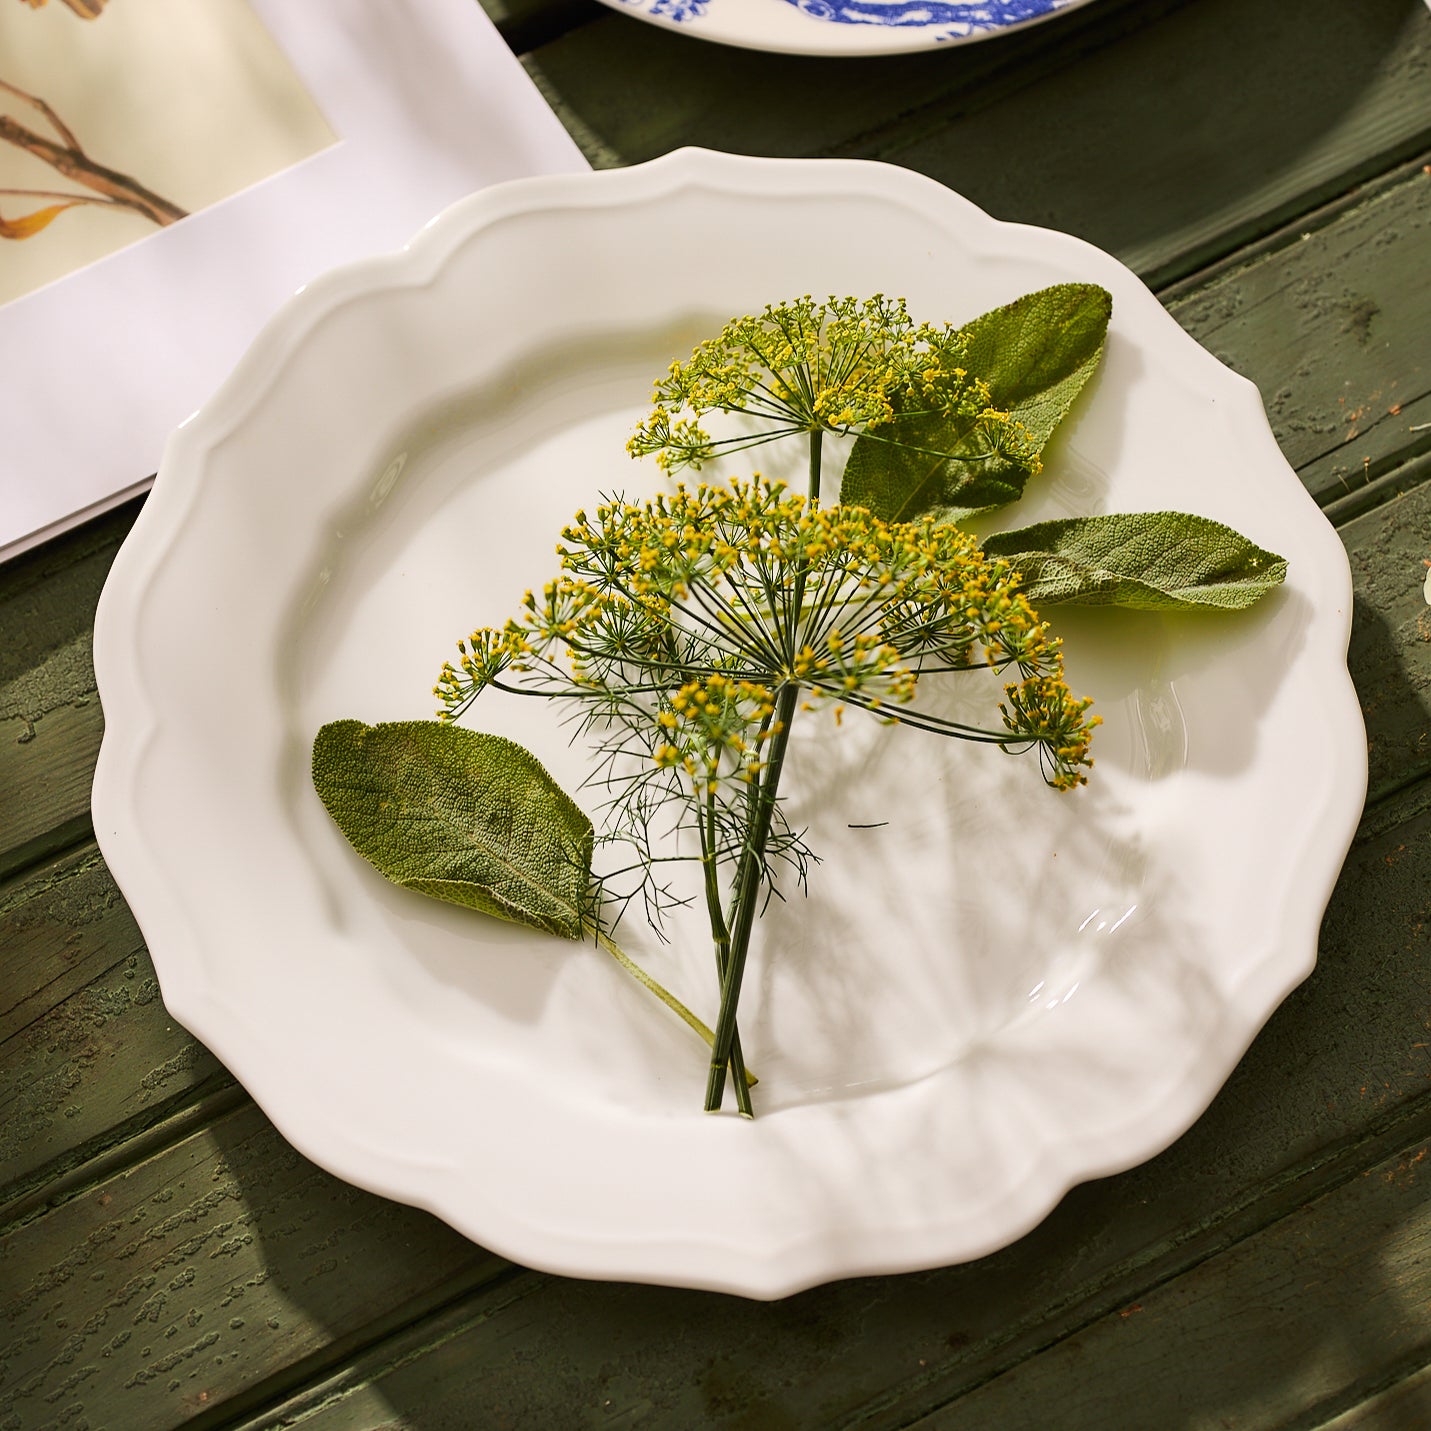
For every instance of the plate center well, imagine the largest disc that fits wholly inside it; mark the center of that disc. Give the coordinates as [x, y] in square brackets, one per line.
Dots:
[953, 892]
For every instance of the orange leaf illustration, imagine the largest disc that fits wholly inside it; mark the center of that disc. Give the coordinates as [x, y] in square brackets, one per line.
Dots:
[85, 9]
[28, 225]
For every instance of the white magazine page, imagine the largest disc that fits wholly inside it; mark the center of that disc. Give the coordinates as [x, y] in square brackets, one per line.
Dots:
[171, 172]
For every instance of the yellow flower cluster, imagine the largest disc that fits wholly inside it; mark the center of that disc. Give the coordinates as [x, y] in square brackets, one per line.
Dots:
[681, 618]
[845, 365]
[713, 728]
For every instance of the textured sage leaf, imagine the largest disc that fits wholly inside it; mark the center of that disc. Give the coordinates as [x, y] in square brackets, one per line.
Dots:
[1035, 354]
[922, 466]
[469, 818]
[1149, 560]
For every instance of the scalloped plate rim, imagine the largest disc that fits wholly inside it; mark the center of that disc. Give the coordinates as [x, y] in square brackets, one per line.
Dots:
[134, 728]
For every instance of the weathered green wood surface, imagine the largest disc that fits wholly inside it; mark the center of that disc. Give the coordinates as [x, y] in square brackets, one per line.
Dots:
[1196, 129]
[166, 1259]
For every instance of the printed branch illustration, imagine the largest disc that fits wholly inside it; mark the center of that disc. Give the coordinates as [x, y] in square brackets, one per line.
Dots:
[85, 9]
[66, 155]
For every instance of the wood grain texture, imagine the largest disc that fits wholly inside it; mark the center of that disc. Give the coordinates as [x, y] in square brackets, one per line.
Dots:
[171, 1260]
[1330, 328]
[50, 720]
[98, 1050]
[1390, 657]
[63, 923]
[1333, 327]
[184, 1282]
[1364, 1010]
[1169, 179]
[1405, 1405]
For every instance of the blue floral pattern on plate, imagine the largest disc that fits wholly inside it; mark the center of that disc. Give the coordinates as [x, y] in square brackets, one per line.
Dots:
[964, 18]
[680, 11]
[961, 16]
[849, 26]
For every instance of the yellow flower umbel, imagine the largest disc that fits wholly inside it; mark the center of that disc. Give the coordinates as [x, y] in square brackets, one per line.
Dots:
[843, 366]
[685, 616]
[690, 628]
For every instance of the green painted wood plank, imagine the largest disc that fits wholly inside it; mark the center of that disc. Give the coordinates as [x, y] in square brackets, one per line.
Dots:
[59, 927]
[1390, 655]
[1116, 142]
[525, 24]
[105, 1055]
[1343, 1068]
[45, 771]
[197, 1276]
[1333, 327]
[1396, 481]
[50, 721]
[1331, 1297]
[1156, 173]
[776, 1366]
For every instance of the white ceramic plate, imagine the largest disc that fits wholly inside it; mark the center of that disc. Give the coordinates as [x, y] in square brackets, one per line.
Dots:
[997, 993]
[845, 27]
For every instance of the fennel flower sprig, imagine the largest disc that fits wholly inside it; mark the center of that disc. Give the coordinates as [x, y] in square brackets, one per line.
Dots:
[690, 628]
[843, 366]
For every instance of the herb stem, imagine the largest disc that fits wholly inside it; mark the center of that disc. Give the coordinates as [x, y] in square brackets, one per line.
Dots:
[752, 859]
[693, 1021]
[748, 874]
[720, 935]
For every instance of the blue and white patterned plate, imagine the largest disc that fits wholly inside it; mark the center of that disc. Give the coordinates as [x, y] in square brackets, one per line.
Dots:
[844, 27]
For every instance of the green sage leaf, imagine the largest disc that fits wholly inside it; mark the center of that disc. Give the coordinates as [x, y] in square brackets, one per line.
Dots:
[469, 818]
[921, 466]
[1037, 352]
[1035, 355]
[1149, 560]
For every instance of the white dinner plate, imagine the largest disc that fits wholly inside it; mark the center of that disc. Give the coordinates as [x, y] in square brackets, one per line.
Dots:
[845, 27]
[991, 991]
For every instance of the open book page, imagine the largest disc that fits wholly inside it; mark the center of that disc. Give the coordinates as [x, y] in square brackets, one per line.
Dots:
[171, 172]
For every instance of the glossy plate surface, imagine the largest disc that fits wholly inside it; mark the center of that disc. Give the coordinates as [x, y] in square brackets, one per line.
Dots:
[991, 992]
[845, 27]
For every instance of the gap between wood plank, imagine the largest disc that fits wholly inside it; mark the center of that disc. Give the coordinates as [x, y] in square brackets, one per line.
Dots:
[323, 1376]
[127, 1145]
[1294, 230]
[321, 1382]
[169, 1127]
[1387, 1399]
[1395, 479]
[1042, 50]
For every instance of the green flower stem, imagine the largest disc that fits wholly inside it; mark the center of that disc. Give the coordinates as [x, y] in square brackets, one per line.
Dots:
[752, 861]
[665, 995]
[720, 935]
[753, 857]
